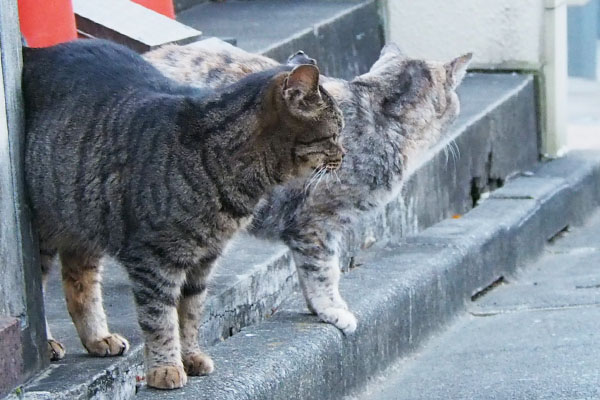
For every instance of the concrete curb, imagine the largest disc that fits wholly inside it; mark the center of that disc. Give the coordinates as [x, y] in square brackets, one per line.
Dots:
[401, 294]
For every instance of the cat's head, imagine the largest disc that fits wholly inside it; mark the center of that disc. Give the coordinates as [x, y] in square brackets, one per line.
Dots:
[308, 121]
[415, 98]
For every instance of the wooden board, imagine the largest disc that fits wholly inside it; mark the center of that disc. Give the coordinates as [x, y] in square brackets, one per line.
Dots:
[130, 24]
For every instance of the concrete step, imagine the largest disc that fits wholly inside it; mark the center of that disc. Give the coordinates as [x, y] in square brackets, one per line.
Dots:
[402, 293]
[494, 138]
[278, 28]
[533, 337]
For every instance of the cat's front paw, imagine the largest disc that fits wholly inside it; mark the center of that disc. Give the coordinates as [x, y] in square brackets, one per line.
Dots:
[343, 319]
[198, 364]
[112, 345]
[166, 377]
[56, 350]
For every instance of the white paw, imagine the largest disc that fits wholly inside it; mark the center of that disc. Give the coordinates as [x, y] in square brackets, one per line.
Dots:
[343, 319]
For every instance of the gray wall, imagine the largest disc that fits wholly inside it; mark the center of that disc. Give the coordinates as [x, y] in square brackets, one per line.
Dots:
[20, 283]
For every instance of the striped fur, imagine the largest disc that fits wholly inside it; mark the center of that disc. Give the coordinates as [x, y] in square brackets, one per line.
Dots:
[120, 160]
[393, 114]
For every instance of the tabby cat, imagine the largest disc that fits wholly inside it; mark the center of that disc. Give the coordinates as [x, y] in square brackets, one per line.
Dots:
[393, 114]
[120, 160]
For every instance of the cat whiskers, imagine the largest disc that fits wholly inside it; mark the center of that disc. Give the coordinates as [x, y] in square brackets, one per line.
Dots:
[322, 173]
[313, 178]
[337, 177]
[453, 149]
[456, 148]
[332, 173]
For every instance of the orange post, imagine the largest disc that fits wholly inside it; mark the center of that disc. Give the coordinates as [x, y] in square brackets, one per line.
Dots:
[46, 23]
[164, 7]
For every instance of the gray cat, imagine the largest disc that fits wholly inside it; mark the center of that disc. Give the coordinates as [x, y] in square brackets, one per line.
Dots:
[393, 114]
[120, 160]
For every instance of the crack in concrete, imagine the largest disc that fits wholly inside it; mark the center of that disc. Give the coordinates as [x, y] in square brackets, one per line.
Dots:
[596, 286]
[479, 294]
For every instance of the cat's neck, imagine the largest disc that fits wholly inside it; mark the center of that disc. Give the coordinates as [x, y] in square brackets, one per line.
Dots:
[227, 131]
[244, 175]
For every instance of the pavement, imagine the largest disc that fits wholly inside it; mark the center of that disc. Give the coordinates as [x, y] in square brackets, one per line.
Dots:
[535, 336]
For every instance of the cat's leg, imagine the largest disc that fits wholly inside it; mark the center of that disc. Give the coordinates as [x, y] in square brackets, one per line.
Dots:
[190, 308]
[318, 264]
[56, 350]
[81, 276]
[156, 290]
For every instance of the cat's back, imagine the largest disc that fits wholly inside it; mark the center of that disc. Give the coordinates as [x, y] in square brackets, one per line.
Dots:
[87, 70]
[91, 109]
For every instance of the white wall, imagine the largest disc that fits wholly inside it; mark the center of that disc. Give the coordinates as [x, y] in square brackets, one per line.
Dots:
[502, 34]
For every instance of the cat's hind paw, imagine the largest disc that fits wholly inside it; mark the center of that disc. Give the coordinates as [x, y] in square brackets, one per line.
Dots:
[198, 364]
[343, 319]
[56, 350]
[112, 345]
[166, 377]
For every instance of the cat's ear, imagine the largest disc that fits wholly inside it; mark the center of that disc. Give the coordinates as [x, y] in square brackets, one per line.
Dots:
[303, 79]
[301, 90]
[389, 59]
[391, 49]
[457, 68]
